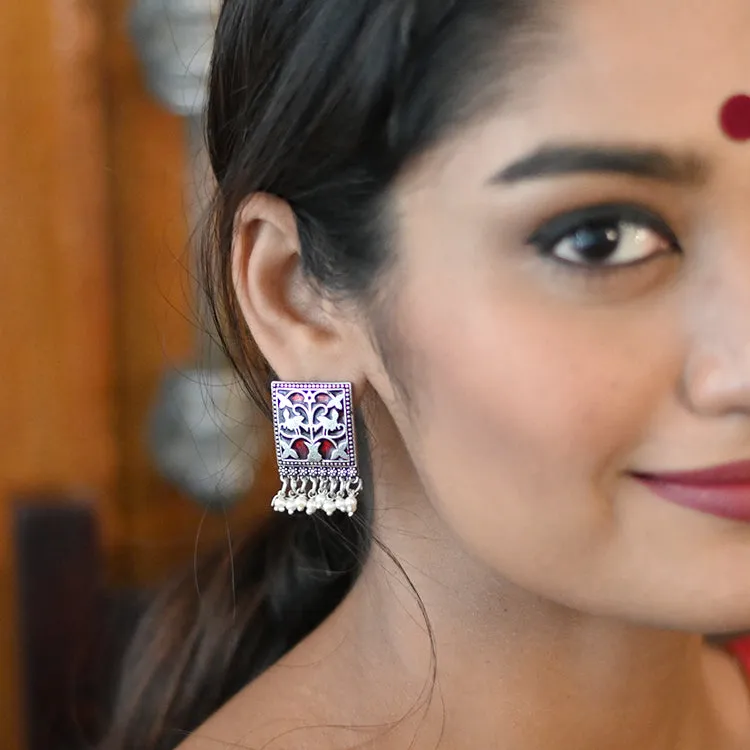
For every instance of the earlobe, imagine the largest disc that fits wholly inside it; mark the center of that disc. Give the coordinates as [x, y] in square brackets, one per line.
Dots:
[289, 318]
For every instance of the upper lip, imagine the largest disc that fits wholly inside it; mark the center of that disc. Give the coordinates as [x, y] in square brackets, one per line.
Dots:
[726, 474]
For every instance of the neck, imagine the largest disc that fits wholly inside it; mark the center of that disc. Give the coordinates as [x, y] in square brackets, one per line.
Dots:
[514, 667]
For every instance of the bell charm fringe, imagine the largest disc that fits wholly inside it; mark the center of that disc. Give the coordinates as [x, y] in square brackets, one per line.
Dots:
[315, 448]
[313, 495]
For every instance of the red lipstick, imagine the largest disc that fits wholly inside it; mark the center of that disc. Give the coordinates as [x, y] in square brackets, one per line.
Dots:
[722, 491]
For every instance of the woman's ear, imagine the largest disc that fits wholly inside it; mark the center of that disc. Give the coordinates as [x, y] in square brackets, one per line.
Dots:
[295, 326]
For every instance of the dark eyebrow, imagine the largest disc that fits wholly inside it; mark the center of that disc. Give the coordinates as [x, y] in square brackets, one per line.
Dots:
[651, 164]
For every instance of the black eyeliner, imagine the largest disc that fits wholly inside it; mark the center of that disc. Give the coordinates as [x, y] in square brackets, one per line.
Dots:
[563, 225]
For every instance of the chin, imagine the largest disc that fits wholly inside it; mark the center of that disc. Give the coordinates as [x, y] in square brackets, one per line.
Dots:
[727, 624]
[721, 619]
[689, 605]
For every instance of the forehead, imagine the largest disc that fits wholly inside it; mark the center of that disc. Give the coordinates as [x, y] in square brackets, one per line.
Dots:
[625, 65]
[642, 73]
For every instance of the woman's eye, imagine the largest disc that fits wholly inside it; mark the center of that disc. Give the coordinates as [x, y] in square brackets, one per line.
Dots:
[610, 244]
[593, 239]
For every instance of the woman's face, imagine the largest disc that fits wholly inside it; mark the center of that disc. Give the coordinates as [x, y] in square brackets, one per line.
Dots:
[566, 323]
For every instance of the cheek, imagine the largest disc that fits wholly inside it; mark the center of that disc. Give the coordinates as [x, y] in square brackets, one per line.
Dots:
[525, 412]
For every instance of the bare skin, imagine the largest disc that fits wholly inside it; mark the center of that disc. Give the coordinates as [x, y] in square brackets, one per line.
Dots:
[513, 670]
[521, 394]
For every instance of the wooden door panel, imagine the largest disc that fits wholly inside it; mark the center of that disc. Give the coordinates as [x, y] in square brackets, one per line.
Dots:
[157, 323]
[154, 330]
[55, 282]
[95, 296]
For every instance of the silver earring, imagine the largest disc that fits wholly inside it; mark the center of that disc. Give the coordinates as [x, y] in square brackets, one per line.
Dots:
[315, 448]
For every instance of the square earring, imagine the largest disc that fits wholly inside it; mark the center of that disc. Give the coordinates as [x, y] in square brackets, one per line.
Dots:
[315, 448]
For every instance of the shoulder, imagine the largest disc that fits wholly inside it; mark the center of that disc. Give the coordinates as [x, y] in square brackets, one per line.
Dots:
[262, 715]
[304, 702]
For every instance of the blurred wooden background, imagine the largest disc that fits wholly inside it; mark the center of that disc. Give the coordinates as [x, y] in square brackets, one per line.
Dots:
[94, 295]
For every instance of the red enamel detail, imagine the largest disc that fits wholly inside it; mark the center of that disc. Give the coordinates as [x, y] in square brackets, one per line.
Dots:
[296, 398]
[735, 117]
[301, 449]
[741, 650]
[322, 398]
[326, 448]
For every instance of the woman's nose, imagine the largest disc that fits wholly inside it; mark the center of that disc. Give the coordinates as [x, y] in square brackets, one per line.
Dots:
[716, 378]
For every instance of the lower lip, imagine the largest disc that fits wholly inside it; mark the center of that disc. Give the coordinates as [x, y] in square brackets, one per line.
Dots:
[730, 501]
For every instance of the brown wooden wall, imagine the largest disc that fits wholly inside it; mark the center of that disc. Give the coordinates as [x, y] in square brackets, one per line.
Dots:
[94, 294]
[56, 303]
[155, 321]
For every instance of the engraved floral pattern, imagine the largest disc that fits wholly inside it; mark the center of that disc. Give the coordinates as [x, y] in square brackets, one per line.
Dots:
[314, 433]
[313, 423]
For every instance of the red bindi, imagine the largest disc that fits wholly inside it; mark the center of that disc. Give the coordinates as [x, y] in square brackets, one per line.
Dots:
[735, 117]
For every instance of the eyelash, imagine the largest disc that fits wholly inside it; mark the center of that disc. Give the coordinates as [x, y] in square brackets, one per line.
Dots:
[548, 237]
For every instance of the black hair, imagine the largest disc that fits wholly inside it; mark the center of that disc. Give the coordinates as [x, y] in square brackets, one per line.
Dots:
[322, 103]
